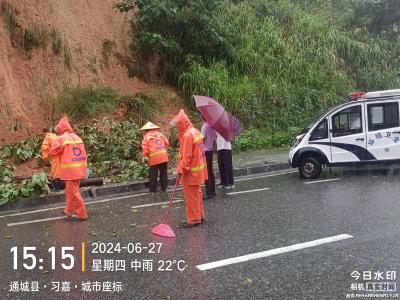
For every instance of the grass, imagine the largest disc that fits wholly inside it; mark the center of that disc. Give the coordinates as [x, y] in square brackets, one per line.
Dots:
[11, 20]
[56, 41]
[34, 36]
[106, 52]
[93, 64]
[67, 54]
[88, 102]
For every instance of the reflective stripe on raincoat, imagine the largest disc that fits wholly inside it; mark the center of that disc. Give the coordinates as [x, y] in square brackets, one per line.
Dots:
[192, 161]
[55, 160]
[70, 148]
[154, 146]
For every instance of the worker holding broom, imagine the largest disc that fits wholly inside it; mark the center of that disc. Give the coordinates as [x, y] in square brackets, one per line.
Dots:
[192, 167]
[154, 150]
[73, 164]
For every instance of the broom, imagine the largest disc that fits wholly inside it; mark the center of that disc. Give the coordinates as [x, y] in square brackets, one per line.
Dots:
[164, 229]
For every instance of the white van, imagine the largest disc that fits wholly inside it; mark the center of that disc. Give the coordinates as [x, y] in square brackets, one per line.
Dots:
[365, 130]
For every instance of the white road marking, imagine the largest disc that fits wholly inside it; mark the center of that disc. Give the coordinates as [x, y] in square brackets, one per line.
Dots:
[264, 176]
[36, 221]
[318, 181]
[129, 196]
[239, 259]
[249, 191]
[63, 217]
[87, 203]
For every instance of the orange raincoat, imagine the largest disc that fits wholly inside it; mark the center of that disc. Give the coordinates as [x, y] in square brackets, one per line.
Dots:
[55, 160]
[154, 146]
[73, 163]
[192, 166]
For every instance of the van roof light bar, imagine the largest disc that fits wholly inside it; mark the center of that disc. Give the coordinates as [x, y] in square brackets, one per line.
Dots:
[355, 96]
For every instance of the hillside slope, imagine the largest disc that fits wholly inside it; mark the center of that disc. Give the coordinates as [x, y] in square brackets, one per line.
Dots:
[28, 80]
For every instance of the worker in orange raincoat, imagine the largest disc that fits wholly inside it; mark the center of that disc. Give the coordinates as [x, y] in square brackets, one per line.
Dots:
[154, 150]
[56, 183]
[192, 167]
[73, 164]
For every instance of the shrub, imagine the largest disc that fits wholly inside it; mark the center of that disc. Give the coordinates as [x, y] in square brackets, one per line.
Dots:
[255, 139]
[80, 102]
[87, 102]
[33, 187]
[35, 36]
[22, 151]
[114, 149]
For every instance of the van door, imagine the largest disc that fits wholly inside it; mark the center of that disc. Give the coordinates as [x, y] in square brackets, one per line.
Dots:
[383, 134]
[348, 137]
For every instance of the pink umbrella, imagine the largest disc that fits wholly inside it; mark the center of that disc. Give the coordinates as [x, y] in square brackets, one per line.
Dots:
[216, 116]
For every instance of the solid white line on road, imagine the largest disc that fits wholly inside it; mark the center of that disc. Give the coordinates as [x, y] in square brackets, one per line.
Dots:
[264, 176]
[318, 181]
[36, 221]
[249, 191]
[87, 203]
[63, 217]
[129, 196]
[239, 259]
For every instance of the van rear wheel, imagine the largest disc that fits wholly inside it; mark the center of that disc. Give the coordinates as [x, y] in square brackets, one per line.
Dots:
[310, 168]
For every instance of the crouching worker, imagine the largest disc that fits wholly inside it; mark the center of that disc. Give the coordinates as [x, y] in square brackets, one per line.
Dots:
[154, 150]
[73, 164]
[192, 167]
[56, 183]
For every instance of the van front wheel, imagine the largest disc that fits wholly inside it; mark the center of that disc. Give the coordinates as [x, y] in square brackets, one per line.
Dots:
[310, 168]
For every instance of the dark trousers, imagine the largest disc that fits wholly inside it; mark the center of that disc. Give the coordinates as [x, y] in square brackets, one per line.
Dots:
[153, 174]
[57, 185]
[210, 183]
[225, 166]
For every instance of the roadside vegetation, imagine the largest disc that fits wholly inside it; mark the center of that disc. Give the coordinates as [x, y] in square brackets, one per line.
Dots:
[274, 64]
[113, 146]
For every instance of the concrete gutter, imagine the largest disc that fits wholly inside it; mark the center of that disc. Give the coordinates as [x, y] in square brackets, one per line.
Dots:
[117, 189]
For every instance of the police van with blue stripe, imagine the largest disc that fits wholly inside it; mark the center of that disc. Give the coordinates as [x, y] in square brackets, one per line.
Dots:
[365, 130]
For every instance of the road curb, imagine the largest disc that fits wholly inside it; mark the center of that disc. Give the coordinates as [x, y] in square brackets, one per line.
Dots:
[91, 194]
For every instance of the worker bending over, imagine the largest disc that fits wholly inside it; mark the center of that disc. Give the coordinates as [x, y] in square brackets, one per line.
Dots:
[154, 150]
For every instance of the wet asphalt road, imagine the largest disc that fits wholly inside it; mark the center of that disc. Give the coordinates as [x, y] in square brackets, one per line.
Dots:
[362, 204]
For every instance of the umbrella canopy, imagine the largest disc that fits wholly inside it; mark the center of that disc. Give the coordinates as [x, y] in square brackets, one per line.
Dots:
[216, 116]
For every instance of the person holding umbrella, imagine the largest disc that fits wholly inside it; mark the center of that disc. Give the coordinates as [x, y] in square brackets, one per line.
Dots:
[192, 167]
[222, 122]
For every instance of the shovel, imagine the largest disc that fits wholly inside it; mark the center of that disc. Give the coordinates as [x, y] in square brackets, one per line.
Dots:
[165, 230]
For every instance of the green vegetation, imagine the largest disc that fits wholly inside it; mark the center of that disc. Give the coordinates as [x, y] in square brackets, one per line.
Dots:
[107, 49]
[114, 149]
[67, 55]
[56, 41]
[87, 102]
[273, 64]
[33, 187]
[34, 36]
[22, 151]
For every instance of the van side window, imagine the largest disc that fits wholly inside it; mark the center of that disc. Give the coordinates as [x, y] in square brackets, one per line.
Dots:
[383, 115]
[321, 132]
[347, 122]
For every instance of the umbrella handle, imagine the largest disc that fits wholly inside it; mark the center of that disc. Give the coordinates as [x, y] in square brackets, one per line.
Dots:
[170, 201]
